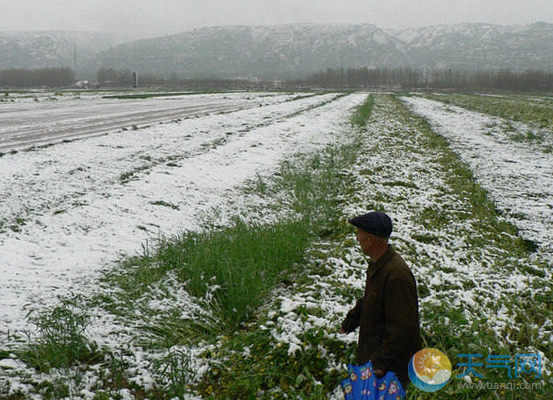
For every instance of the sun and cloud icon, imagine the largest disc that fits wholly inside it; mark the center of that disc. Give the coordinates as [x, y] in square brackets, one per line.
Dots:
[430, 370]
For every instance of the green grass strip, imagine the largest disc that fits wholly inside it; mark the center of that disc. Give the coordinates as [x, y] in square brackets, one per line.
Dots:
[243, 261]
[363, 112]
[525, 109]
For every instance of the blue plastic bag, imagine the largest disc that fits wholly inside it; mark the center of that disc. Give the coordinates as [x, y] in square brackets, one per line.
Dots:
[362, 384]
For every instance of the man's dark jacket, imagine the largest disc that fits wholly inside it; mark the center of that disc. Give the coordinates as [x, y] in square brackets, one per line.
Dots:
[388, 316]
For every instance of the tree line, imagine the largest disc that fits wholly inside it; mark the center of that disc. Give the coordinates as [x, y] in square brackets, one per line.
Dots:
[114, 77]
[32, 78]
[437, 79]
[341, 78]
[111, 77]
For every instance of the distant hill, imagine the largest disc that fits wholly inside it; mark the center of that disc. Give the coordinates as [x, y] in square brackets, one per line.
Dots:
[480, 46]
[289, 50]
[265, 50]
[42, 49]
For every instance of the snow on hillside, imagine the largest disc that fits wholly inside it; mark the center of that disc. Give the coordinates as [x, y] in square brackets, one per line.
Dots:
[38, 49]
[283, 49]
[425, 36]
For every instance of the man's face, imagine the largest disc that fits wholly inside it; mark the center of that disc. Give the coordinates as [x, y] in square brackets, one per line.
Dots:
[365, 240]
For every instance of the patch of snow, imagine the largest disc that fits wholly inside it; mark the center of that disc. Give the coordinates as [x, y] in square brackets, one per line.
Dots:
[518, 176]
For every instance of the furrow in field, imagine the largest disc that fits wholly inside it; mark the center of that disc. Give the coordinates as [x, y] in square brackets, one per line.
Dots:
[27, 125]
[518, 176]
[29, 186]
[27, 137]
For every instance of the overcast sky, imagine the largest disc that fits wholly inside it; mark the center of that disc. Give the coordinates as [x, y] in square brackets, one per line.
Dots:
[143, 18]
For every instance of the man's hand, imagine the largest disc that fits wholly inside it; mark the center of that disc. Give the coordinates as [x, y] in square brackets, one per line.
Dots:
[379, 373]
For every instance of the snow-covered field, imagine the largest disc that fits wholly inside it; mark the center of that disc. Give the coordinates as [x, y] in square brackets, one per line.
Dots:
[518, 175]
[71, 210]
[26, 124]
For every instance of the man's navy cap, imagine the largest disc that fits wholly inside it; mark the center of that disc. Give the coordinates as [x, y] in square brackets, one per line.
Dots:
[375, 222]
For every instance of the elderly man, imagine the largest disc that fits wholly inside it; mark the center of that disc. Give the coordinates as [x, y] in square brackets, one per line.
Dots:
[387, 314]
